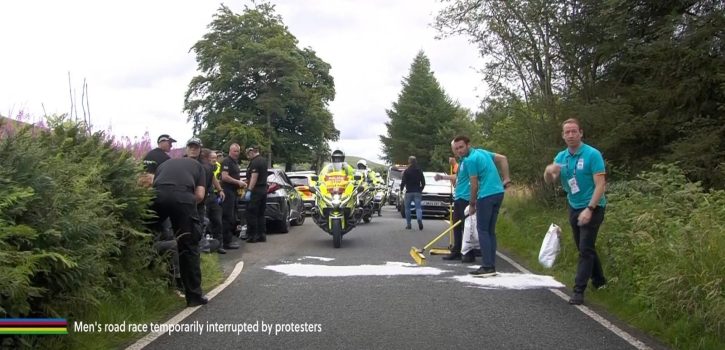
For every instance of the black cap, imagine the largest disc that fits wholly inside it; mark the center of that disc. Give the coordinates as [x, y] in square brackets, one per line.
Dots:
[194, 141]
[165, 137]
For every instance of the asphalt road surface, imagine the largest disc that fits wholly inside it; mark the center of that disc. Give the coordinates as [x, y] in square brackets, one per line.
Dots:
[262, 306]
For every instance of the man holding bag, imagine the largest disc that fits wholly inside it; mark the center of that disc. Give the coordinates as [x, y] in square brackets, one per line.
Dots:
[582, 172]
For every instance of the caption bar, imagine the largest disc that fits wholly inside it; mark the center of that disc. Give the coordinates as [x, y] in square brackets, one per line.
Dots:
[198, 327]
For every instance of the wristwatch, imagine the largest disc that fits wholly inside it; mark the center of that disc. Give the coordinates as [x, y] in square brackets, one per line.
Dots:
[591, 208]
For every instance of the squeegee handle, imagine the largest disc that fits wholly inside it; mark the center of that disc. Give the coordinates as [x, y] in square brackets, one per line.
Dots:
[441, 235]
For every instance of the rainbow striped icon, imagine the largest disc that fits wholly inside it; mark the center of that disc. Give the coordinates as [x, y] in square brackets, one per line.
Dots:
[34, 326]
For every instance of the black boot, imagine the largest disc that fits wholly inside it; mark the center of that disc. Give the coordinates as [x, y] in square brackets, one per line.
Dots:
[452, 256]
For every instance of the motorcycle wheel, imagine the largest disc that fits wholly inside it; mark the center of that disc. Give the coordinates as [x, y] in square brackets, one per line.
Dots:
[336, 233]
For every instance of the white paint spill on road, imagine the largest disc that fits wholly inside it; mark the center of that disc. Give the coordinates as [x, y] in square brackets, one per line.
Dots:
[315, 258]
[511, 281]
[389, 269]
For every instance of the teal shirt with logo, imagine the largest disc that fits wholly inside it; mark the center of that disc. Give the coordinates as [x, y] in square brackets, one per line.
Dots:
[463, 180]
[582, 166]
[479, 162]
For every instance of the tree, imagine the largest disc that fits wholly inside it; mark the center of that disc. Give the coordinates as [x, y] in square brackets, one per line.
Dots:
[257, 86]
[423, 121]
[645, 77]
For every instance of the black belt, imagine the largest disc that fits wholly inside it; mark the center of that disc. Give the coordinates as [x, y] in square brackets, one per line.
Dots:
[260, 185]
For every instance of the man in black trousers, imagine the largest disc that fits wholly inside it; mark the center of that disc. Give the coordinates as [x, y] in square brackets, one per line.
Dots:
[257, 177]
[231, 183]
[179, 185]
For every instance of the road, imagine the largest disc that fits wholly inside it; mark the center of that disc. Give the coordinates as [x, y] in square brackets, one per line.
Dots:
[440, 308]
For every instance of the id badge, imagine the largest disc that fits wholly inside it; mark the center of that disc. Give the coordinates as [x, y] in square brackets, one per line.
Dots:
[573, 186]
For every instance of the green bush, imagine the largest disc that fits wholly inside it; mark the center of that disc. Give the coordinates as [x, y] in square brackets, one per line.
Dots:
[665, 242]
[71, 222]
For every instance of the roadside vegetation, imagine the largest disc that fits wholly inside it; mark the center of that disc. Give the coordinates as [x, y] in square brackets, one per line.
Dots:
[73, 243]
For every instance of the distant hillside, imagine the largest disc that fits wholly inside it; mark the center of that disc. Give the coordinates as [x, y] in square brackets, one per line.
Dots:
[352, 160]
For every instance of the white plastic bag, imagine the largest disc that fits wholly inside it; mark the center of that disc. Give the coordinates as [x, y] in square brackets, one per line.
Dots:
[470, 235]
[550, 246]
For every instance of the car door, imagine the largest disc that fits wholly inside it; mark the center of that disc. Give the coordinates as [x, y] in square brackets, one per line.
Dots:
[295, 200]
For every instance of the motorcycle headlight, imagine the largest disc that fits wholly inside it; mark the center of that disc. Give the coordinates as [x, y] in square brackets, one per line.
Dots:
[336, 200]
[378, 196]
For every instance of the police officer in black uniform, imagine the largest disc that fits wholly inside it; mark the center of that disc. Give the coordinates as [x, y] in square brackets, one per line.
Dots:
[179, 185]
[257, 177]
[158, 155]
[231, 183]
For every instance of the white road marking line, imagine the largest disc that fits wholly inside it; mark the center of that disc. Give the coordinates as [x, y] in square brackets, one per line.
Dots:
[587, 311]
[146, 340]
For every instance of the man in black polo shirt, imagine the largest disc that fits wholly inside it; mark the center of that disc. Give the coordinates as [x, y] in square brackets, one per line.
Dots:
[257, 177]
[179, 185]
[158, 155]
[230, 184]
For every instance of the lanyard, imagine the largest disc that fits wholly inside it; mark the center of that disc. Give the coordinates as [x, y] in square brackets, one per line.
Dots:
[572, 171]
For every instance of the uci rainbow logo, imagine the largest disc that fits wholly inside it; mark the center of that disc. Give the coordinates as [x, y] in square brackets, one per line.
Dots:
[33, 326]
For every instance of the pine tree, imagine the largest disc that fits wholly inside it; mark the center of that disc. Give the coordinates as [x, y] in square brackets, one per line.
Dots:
[421, 119]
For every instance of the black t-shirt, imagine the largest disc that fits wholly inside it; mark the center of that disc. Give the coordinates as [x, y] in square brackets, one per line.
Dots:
[154, 158]
[180, 173]
[231, 166]
[209, 173]
[258, 165]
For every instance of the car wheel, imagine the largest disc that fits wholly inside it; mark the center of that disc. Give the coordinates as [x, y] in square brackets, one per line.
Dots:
[284, 225]
[300, 219]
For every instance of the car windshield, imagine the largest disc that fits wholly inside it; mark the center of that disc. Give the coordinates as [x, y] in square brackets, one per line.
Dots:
[431, 185]
[274, 177]
[299, 181]
[430, 180]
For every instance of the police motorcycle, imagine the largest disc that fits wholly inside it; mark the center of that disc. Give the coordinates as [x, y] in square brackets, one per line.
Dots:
[365, 199]
[379, 198]
[336, 208]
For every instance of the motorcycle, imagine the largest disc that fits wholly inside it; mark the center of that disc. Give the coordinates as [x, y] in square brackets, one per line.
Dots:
[379, 199]
[365, 201]
[336, 198]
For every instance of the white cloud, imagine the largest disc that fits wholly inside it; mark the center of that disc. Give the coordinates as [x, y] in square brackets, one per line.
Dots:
[135, 57]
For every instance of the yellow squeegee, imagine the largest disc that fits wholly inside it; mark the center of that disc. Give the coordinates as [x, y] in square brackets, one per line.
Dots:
[417, 254]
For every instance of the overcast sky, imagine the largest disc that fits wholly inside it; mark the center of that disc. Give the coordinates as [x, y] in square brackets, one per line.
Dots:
[135, 58]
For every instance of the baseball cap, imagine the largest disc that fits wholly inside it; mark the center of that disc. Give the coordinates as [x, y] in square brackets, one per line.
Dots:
[194, 141]
[250, 148]
[165, 137]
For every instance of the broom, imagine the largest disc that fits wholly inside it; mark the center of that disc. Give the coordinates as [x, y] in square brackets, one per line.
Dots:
[417, 254]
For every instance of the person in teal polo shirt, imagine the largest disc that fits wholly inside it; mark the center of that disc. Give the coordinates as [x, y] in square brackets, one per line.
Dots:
[486, 193]
[581, 170]
[462, 198]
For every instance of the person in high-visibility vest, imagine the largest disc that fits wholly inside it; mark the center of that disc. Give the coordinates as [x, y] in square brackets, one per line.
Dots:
[213, 205]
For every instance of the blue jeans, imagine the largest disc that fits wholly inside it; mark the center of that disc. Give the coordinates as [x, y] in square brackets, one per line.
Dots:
[486, 214]
[415, 197]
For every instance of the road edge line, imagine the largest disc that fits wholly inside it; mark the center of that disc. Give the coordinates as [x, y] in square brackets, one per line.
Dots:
[587, 311]
[186, 312]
